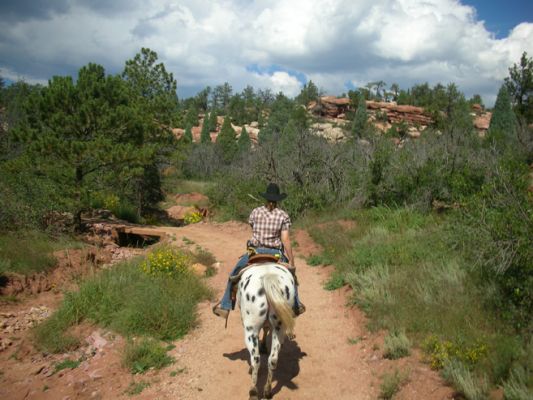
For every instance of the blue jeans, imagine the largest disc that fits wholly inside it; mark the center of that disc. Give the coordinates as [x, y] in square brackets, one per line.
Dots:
[225, 303]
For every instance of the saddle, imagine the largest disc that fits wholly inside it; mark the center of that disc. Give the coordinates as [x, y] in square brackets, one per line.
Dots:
[257, 258]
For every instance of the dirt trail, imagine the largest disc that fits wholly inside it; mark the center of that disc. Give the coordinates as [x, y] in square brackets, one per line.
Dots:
[320, 364]
[333, 356]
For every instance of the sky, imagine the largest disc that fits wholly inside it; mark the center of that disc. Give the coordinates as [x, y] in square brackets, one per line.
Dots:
[276, 44]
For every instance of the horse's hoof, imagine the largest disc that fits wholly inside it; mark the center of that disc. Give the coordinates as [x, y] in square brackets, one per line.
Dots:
[253, 394]
[267, 394]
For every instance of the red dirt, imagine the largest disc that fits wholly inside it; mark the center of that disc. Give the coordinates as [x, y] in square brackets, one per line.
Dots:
[212, 362]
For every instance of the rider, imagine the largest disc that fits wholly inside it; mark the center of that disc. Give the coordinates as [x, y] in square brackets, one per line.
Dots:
[270, 235]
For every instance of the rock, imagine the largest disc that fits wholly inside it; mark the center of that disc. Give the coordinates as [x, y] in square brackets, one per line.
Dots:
[96, 340]
[96, 374]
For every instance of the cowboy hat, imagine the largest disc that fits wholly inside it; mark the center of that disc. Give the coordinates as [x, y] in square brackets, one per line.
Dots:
[272, 193]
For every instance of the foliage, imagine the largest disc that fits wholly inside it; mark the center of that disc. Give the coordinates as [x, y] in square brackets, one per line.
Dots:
[136, 388]
[226, 141]
[464, 381]
[145, 354]
[391, 383]
[503, 122]
[360, 120]
[441, 352]
[25, 252]
[205, 136]
[308, 93]
[166, 260]
[397, 345]
[520, 87]
[68, 363]
[193, 218]
[187, 136]
[128, 301]
[244, 143]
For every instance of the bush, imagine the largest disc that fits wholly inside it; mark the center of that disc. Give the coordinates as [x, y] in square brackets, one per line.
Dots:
[464, 381]
[391, 384]
[26, 252]
[166, 260]
[130, 302]
[397, 345]
[145, 354]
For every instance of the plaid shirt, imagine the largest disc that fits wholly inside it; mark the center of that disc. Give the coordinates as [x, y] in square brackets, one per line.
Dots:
[267, 226]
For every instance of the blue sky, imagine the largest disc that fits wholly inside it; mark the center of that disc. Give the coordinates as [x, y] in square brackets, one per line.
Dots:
[276, 44]
[502, 16]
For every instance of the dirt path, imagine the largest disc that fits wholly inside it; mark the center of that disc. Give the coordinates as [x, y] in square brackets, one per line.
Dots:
[333, 356]
[320, 364]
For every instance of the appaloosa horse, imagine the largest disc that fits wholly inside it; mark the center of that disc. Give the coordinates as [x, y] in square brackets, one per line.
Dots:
[266, 298]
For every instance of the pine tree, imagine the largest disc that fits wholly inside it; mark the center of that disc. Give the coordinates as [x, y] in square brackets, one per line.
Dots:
[503, 122]
[88, 136]
[226, 141]
[205, 137]
[213, 121]
[359, 123]
[244, 144]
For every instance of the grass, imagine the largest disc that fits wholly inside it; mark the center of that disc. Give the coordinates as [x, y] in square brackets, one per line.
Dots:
[465, 381]
[397, 345]
[391, 383]
[128, 301]
[136, 388]
[26, 252]
[71, 364]
[408, 278]
[145, 354]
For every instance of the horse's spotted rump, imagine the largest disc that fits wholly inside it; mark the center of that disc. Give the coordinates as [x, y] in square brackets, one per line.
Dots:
[273, 287]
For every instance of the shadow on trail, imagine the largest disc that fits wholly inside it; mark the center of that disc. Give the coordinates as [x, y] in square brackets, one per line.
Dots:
[288, 365]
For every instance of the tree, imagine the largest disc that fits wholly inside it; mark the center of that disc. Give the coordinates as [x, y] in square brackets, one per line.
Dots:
[202, 99]
[503, 122]
[226, 141]
[212, 120]
[359, 123]
[152, 85]
[308, 93]
[244, 144]
[80, 133]
[520, 87]
[205, 137]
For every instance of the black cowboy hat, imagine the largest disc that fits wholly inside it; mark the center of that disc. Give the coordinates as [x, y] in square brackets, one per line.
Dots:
[272, 193]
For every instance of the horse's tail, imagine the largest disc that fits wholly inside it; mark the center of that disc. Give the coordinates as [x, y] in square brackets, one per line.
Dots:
[278, 302]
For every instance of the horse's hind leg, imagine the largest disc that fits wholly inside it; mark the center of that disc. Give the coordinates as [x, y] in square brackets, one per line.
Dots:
[263, 345]
[277, 340]
[252, 344]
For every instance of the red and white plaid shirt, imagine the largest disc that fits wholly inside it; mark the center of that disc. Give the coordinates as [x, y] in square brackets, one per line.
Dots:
[267, 226]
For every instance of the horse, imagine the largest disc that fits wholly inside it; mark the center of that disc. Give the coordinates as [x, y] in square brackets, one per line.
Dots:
[266, 298]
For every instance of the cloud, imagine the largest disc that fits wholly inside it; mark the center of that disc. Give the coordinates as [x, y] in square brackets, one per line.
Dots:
[207, 42]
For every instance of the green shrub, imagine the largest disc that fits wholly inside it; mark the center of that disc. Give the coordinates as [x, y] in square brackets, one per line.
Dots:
[464, 381]
[145, 354]
[397, 345]
[391, 383]
[129, 301]
[25, 252]
[516, 388]
[136, 388]
[166, 260]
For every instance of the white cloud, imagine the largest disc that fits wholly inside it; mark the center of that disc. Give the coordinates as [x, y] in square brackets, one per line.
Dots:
[207, 42]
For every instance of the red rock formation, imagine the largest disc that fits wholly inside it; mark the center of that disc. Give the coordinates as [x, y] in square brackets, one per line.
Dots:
[410, 114]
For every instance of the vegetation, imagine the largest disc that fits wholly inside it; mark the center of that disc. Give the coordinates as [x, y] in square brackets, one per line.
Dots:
[397, 345]
[129, 301]
[145, 354]
[444, 223]
[391, 383]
